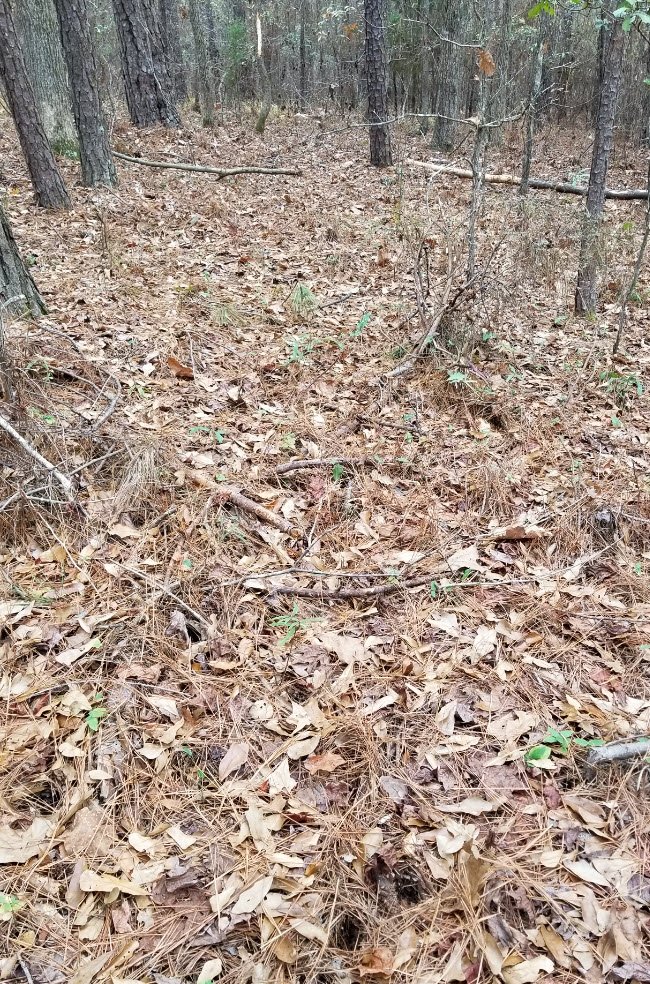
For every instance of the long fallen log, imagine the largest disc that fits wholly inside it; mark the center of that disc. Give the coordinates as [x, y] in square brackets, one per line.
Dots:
[564, 187]
[220, 172]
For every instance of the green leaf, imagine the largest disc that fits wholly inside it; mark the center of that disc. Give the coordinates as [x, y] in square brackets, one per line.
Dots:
[538, 753]
[616, 421]
[589, 742]
[338, 471]
[433, 589]
[561, 738]
[94, 717]
[456, 376]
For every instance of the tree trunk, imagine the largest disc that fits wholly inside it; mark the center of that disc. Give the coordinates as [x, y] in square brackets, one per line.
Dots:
[171, 31]
[302, 91]
[37, 26]
[145, 68]
[204, 76]
[17, 289]
[377, 81]
[48, 184]
[448, 101]
[531, 116]
[612, 63]
[211, 41]
[97, 166]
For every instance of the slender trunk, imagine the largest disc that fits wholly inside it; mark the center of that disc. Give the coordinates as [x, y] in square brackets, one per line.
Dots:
[97, 166]
[303, 58]
[448, 102]
[171, 32]
[377, 81]
[48, 184]
[478, 176]
[211, 41]
[531, 117]
[640, 256]
[587, 286]
[17, 289]
[38, 29]
[204, 77]
[145, 69]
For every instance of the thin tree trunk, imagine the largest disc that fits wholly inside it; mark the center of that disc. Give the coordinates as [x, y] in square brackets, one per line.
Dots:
[171, 31]
[97, 166]
[377, 81]
[211, 41]
[17, 289]
[587, 286]
[48, 184]
[38, 29]
[147, 83]
[448, 101]
[531, 117]
[303, 58]
[640, 256]
[204, 76]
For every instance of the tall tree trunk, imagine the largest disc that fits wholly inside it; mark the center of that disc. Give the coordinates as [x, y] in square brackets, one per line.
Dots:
[377, 81]
[204, 76]
[532, 115]
[207, 11]
[97, 166]
[171, 31]
[37, 26]
[302, 97]
[48, 184]
[145, 68]
[612, 64]
[448, 101]
[17, 289]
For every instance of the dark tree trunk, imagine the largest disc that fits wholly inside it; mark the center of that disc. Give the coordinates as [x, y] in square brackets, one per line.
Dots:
[37, 27]
[204, 76]
[303, 58]
[612, 64]
[377, 81]
[211, 41]
[147, 83]
[48, 184]
[171, 31]
[17, 289]
[97, 166]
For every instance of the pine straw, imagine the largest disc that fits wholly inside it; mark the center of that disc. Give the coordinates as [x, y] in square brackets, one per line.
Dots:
[376, 855]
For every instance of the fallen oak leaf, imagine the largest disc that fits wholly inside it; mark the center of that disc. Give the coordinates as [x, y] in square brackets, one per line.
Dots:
[327, 762]
[179, 370]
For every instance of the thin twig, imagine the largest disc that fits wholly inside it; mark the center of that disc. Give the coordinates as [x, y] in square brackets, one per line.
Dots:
[62, 479]
[163, 590]
[302, 463]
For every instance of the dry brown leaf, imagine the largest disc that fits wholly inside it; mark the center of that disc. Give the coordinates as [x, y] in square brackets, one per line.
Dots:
[252, 896]
[327, 762]
[93, 881]
[486, 63]
[178, 369]
[235, 757]
[586, 872]
[210, 970]
[528, 971]
[376, 962]
[18, 846]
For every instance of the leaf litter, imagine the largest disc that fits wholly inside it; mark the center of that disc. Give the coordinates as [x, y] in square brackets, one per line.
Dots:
[207, 774]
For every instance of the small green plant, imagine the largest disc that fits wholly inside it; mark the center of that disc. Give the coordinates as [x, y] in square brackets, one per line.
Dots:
[292, 623]
[288, 442]
[45, 418]
[9, 904]
[96, 713]
[300, 347]
[302, 300]
[361, 325]
[214, 432]
[398, 352]
[621, 385]
[540, 756]
[40, 367]
[457, 378]
[338, 471]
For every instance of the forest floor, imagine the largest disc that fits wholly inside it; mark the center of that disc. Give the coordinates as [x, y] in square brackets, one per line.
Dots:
[215, 763]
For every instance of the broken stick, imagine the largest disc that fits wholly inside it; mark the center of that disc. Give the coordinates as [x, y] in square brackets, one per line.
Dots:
[62, 479]
[620, 751]
[220, 172]
[300, 463]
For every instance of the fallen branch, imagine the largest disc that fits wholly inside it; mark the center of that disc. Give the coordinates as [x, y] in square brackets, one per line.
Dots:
[242, 502]
[564, 187]
[220, 172]
[62, 479]
[300, 463]
[620, 751]
[374, 591]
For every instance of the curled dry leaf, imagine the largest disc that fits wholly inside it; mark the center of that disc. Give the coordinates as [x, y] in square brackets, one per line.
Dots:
[93, 881]
[235, 757]
[18, 846]
[210, 970]
[252, 896]
[327, 762]
[179, 370]
[528, 971]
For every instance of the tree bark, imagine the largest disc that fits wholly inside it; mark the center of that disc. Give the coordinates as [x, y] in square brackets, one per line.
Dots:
[37, 25]
[204, 76]
[97, 166]
[531, 116]
[612, 62]
[48, 184]
[377, 81]
[171, 31]
[17, 289]
[145, 67]
[449, 86]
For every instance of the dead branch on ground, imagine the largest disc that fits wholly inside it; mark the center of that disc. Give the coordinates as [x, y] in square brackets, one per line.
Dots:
[219, 172]
[564, 187]
[620, 751]
[301, 463]
[63, 480]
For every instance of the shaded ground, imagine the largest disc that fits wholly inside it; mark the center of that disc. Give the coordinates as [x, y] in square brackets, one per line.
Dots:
[202, 759]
